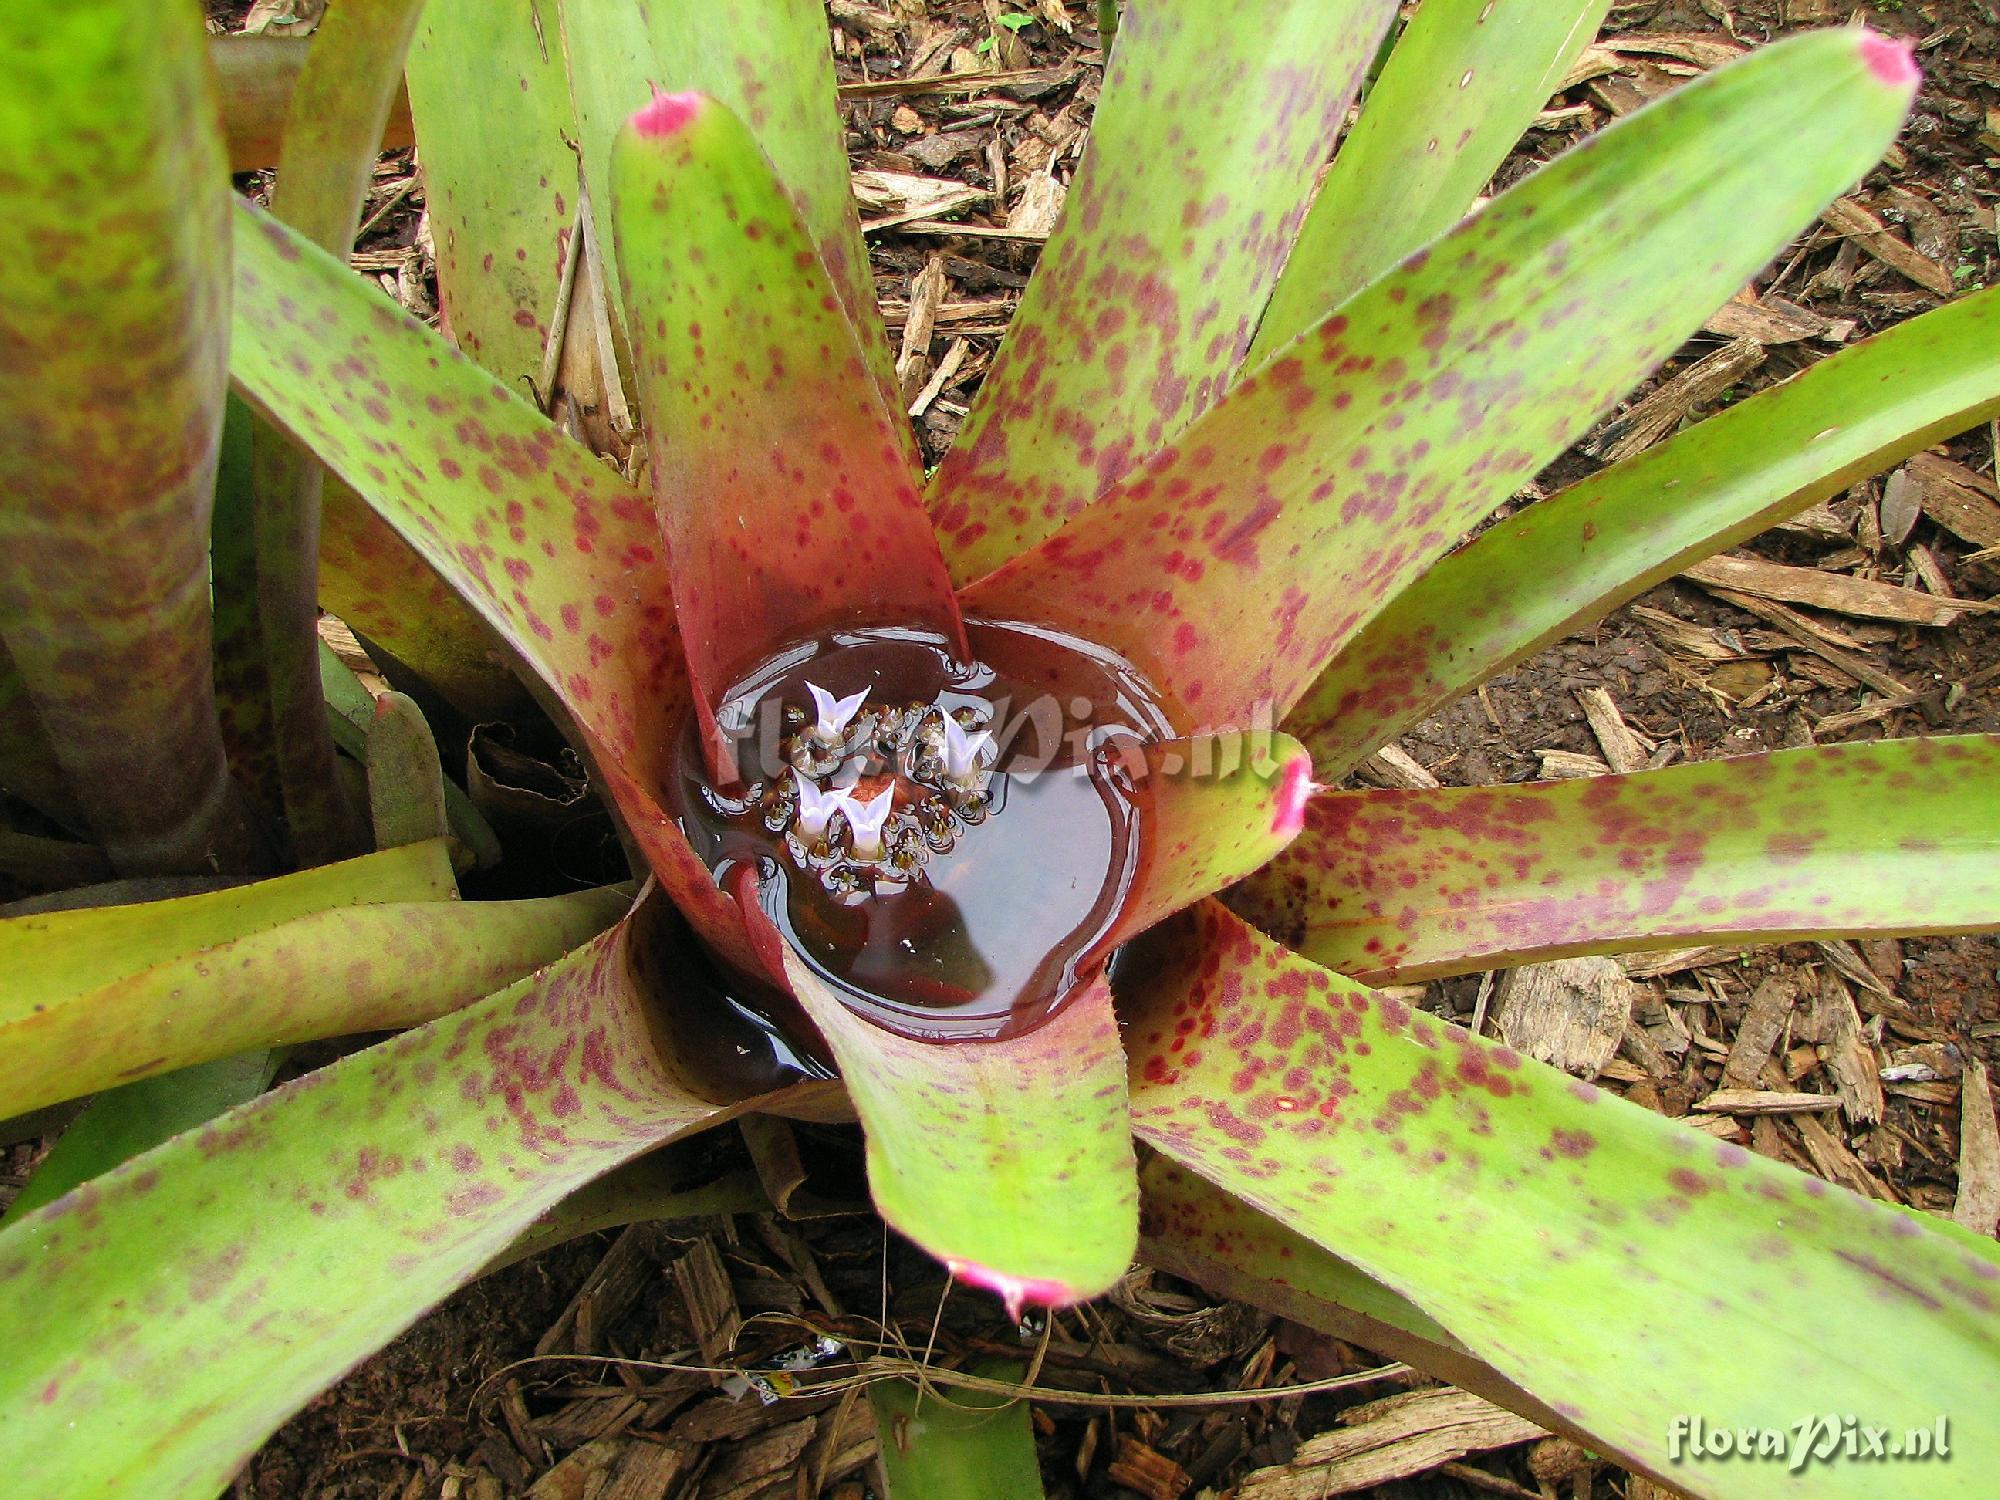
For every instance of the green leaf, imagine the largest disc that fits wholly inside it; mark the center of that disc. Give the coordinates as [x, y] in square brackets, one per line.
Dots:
[1171, 239]
[1218, 808]
[1235, 565]
[1008, 1160]
[1895, 836]
[768, 63]
[366, 962]
[1565, 561]
[956, 1444]
[493, 124]
[238, 1269]
[1590, 1251]
[556, 551]
[122, 1122]
[785, 495]
[658, 1186]
[116, 340]
[382, 588]
[60, 955]
[332, 138]
[405, 781]
[29, 769]
[256, 77]
[1461, 86]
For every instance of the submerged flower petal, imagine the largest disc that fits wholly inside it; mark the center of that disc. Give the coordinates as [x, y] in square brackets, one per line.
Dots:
[834, 714]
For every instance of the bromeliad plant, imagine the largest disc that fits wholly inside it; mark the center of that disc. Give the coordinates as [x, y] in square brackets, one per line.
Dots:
[1214, 480]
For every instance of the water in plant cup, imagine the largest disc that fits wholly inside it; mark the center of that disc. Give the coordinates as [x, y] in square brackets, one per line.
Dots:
[946, 843]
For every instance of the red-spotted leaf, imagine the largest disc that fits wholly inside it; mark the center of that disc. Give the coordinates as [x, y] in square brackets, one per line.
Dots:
[768, 62]
[786, 498]
[116, 337]
[1236, 564]
[383, 957]
[557, 552]
[1009, 1160]
[255, 77]
[1173, 235]
[1896, 836]
[160, 1321]
[1217, 808]
[1565, 561]
[1190, 1227]
[1461, 86]
[494, 131]
[1501, 1197]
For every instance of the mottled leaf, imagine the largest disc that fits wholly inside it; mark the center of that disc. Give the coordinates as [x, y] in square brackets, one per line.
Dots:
[768, 62]
[1895, 836]
[1009, 1160]
[255, 76]
[494, 129]
[1172, 237]
[121, 1122]
[351, 968]
[967, 1445]
[786, 498]
[162, 1320]
[557, 552]
[1590, 1251]
[1234, 566]
[1460, 88]
[1565, 561]
[1217, 808]
[405, 781]
[115, 340]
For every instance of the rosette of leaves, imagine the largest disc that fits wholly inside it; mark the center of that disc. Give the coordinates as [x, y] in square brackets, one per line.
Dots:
[1234, 436]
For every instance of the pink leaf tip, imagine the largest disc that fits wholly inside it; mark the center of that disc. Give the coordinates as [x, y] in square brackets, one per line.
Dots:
[1017, 1292]
[1891, 59]
[667, 113]
[1293, 791]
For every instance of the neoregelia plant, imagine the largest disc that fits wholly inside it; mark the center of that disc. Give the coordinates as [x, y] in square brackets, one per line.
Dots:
[906, 765]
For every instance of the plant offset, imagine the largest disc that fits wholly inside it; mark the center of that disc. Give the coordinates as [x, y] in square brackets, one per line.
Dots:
[959, 798]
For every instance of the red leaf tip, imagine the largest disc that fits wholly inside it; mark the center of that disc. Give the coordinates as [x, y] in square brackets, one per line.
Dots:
[1293, 791]
[1891, 59]
[1016, 1291]
[667, 113]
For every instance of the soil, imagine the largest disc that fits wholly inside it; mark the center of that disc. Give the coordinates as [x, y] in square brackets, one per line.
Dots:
[433, 1415]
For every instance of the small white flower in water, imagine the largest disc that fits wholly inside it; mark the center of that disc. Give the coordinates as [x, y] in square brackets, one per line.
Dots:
[835, 714]
[816, 808]
[962, 750]
[866, 820]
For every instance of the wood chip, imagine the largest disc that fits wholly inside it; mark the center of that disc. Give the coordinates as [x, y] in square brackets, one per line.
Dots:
[1769, 320]
[1040, 205]
[1571, 1013]
[1837, 592]
[927, 290]
[1763, 1023]
[1765, 1102]
[957, 83]
[1817, 639]
[1143, 1469]
[1393, 766]
[1673, 961]
[1848, 218]
[1936, 487]
[1393, 1438]
[1624, 751]
[946, 372]
[1568, 765]
[754, 1466]
[1666, 407]
[1978, 1204]
[1844, 1051]
[709, 1299]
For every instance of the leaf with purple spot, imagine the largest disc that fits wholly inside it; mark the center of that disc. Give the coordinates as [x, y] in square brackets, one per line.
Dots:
[304, 1230]
[1171, 239]
[1568, 560]
[1234, 565]
[116, 334]
[785, 495]
[1895, 836]
[1462, 85]
[1500, 1197]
